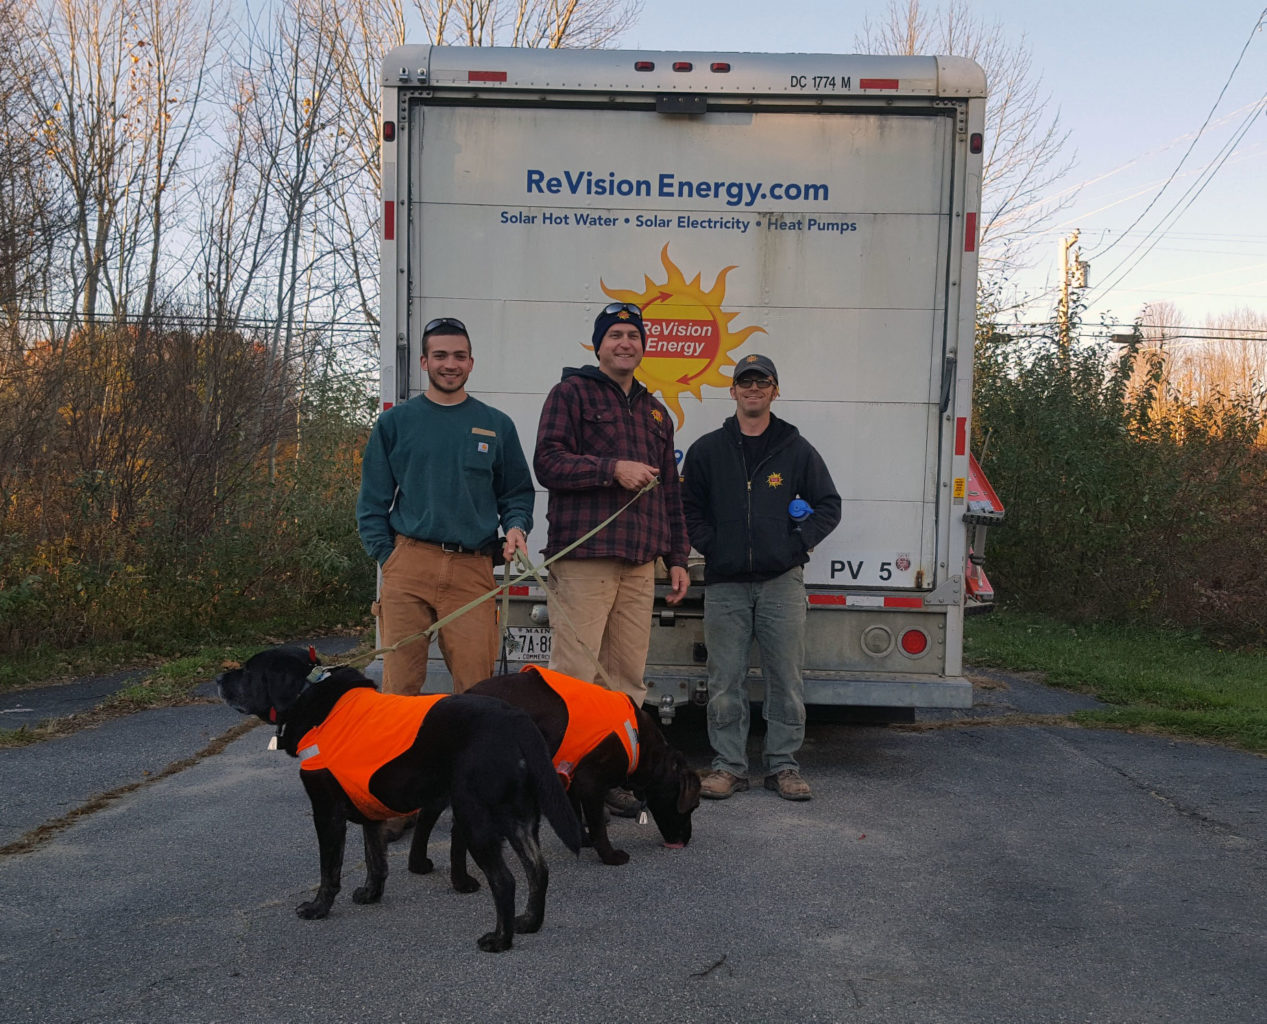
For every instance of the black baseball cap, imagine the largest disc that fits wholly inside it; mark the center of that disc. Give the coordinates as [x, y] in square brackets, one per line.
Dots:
[758, 364]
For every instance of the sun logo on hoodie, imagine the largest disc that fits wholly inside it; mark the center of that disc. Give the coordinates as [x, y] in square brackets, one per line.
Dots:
[657, 415]
[774, 480]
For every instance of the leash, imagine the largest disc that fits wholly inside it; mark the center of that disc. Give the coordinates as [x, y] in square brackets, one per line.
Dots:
[526, 572]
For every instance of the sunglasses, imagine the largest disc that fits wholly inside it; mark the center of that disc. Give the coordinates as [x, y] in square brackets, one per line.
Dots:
[444, 321]
[616, 307]
[761, 383]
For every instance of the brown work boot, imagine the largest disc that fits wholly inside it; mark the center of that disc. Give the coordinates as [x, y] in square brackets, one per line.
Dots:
[789, 784]
[621, 803]
[718, 785]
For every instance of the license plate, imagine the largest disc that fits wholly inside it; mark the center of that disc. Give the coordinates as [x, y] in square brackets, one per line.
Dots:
[528, 643]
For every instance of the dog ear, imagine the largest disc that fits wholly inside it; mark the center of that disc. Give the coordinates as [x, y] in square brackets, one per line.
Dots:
[284, 674]
[688, 786]
[283, 689]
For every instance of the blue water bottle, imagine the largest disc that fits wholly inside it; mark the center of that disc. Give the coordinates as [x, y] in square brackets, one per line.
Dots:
[799, 509]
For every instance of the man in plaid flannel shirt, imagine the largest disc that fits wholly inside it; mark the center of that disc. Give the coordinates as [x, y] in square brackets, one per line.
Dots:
[602, 438]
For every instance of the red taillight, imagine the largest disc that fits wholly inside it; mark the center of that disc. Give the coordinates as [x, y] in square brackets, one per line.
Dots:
[914, 642]
[389, 131]
[644, 65]
[721, 67]
[683, 65]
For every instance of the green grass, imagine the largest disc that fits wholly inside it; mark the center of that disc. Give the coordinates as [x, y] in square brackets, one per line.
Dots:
[1165, 681]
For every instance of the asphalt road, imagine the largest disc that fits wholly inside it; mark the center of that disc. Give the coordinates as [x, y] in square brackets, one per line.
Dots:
[981, 866]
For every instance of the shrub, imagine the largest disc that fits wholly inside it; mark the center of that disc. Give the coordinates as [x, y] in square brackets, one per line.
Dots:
[1114, 510]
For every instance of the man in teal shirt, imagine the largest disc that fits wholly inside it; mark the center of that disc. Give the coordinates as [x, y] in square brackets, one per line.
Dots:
[442, 472]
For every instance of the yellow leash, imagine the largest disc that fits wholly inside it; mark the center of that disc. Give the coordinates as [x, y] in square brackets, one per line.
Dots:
[527, 571]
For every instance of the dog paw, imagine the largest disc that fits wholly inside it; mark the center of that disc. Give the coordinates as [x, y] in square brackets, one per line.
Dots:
[491, 942]
[467, 884]
[421, 866]
[367, 894]
[312, 910]
[615, 858]
[526, 924]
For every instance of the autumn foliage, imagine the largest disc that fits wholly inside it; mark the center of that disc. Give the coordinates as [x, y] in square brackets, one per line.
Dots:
[172, 483]
[1130, 497]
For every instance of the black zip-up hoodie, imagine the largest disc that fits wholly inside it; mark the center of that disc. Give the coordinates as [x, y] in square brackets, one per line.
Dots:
[737, 515]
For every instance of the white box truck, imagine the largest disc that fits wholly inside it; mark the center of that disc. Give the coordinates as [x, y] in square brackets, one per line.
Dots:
[820, 209]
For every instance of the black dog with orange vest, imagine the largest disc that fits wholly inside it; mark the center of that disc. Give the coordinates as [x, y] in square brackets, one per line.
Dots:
[597, 740]
[368, 756]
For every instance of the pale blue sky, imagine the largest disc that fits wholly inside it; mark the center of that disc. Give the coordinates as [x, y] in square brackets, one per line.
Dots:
[1133, 83]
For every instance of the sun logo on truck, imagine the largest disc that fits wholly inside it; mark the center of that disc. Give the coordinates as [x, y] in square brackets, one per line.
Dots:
[688, 334]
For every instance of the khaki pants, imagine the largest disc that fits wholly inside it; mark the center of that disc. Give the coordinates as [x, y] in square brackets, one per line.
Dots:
[604, 604]
[422, 584]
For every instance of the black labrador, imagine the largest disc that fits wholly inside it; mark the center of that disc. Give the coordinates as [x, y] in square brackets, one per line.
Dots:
[660, 774]
[369, 756]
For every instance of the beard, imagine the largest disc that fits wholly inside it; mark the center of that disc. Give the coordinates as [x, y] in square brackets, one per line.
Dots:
[447, 384]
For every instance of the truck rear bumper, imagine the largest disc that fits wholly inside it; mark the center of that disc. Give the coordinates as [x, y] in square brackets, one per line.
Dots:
[856, 689]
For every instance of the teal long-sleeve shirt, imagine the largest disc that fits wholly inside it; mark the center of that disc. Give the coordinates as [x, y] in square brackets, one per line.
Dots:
[442, 473]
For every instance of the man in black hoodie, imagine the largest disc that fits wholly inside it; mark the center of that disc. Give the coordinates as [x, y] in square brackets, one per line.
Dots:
[757, 499]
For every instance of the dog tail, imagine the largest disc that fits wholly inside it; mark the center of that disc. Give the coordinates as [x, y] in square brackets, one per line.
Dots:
[551, 797]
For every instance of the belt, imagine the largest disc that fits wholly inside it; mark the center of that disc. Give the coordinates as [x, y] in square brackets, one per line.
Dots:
[458, 549]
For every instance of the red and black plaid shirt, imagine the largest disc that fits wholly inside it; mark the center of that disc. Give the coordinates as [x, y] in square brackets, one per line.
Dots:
[587, 425]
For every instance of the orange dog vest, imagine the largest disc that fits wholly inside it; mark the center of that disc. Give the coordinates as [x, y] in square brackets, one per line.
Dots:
[365, 730]
[594, 713]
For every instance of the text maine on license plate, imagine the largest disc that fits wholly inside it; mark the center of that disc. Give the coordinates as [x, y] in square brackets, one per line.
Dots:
[528, 643]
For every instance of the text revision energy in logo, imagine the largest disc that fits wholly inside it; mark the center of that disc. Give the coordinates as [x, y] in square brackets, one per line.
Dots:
[688, 334]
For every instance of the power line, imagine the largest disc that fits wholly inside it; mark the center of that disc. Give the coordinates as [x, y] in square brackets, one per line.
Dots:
[1208, 333]
[1176, 211]
[159, 319]
[1195, 139]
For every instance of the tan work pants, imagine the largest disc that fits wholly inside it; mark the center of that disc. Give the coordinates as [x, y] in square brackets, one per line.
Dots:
[422, 584]
[604, 604]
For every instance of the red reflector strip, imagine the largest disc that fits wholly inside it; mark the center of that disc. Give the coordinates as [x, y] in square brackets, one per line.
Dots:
[961, 435]
[518, 591]
[486, 76]
[970, 232]
[878, 83]
[865, 601]
[389, 220]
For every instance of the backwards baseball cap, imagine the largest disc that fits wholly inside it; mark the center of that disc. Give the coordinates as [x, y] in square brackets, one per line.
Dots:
[756, 364]
[618, 313]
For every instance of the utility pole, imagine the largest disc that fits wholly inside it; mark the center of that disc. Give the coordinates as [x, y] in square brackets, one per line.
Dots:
[1073, 274]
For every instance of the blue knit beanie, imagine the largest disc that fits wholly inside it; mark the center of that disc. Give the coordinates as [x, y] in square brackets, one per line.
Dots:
[623, 315]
